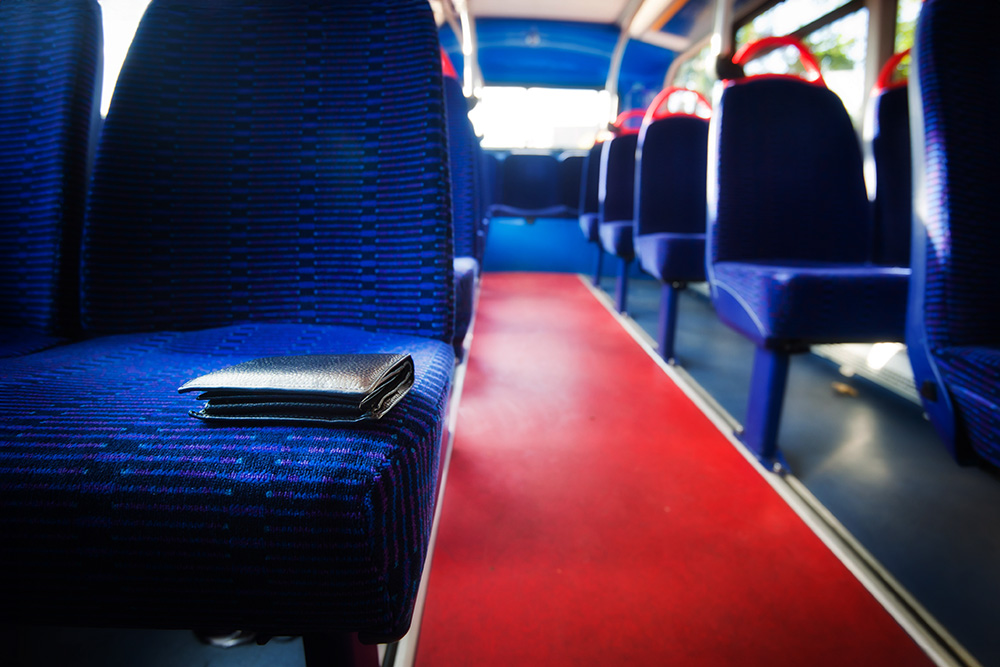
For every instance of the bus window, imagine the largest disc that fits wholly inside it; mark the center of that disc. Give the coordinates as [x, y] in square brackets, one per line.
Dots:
[906, 26]
[834, 31]
[541, 118]
[698, 72]
[840, 48]
[121, 18]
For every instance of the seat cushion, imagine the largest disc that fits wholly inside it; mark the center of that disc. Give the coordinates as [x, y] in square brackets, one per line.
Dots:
[672, 257]
[616, 238]
[16, 341]
[812, 302]
[590, 226]
[972, 375]
[120, 508]
[466, 270]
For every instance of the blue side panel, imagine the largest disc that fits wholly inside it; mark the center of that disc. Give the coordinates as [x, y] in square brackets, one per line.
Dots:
[559, 54]
[684, 20]
[644, 68]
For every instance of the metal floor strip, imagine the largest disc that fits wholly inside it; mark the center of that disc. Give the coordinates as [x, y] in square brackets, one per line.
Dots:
[404, 652]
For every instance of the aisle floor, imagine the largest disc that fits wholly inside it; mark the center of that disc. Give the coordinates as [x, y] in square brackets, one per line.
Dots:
[873, 460]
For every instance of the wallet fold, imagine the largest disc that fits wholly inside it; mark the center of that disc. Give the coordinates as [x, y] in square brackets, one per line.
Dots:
[317, 388]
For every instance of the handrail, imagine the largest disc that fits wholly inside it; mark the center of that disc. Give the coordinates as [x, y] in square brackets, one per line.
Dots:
[653, 111]
[447, 68]
[884, 81]
[620, 127]
[752, 50]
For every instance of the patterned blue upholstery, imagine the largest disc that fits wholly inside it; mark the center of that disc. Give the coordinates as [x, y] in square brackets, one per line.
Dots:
[953, 330]
[462, 158]
[120, 509]
[50, 80]
[789, 235]
[529, 187]
[893, 167]
[243, 207]
[336, 156]
[15, 341]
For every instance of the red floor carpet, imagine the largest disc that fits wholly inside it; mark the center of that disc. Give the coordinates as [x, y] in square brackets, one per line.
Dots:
[594, 516]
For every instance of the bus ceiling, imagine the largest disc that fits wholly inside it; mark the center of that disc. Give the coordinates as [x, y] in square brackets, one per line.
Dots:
[571, 43]
[617, 45]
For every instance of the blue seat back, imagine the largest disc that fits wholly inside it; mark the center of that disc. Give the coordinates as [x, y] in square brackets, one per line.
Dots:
[617, 184]
[570, 177]
[785, 180]
[491, 180]
[462, 152]
[50, 80]
[671, 162]
[956, 239]
[893, 194]
[590, 183]
[530, 182]
[294, 171]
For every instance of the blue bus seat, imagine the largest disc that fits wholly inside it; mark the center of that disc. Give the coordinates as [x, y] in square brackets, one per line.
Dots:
[50, 81]
[589, 207]
[789, 229]
[491, 181]
[953, 328]
[529, 188]
[489, 174]
[570, 177]
[617, 195]
[462, 159]
[671, 162]
[295, 202]
[890, 149]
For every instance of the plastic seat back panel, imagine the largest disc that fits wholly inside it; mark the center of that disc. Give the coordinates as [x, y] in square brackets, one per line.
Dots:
[788, 159]
[893, 167]
[672, 155]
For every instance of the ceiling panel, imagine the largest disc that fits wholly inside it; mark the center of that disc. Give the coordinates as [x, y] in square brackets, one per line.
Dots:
[597, 11]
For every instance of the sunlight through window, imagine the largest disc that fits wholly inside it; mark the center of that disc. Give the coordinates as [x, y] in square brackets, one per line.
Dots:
[121, 18]
[543, 118]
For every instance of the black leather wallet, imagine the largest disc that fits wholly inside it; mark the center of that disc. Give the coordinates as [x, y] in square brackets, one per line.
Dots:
[324, 388]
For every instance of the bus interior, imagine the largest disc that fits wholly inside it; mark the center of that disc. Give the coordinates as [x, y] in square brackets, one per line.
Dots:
[498, 332]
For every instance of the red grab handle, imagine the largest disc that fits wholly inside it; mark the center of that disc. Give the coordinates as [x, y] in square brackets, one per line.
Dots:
[654, 113]
[623, 118]
[750, 51]
[447, 68]
[884, 81]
